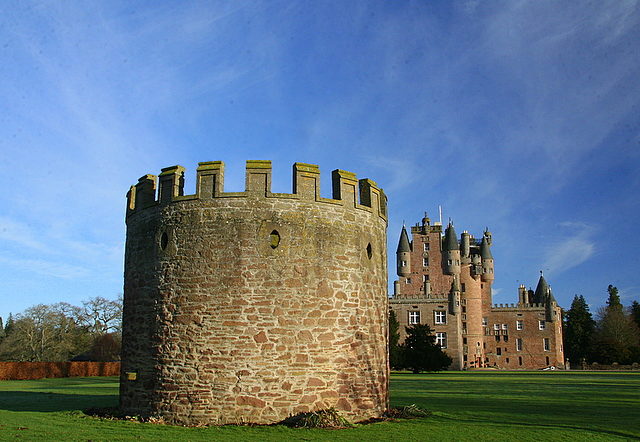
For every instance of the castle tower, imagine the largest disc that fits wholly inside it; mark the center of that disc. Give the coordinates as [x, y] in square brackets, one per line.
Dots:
[487, 260]
[451, 251]
[454, 296]
[465, 247]
[403, 254]
[254, 306]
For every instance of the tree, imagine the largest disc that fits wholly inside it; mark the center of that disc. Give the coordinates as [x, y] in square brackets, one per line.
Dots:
[1, 329]
[101, 315]
[9, 325]
[395, 355]
[43, 333]
[420, 351]
[614, 298]
[635, 312]
[617, 336]
[58, 332]
[106, 347]
[579, 327]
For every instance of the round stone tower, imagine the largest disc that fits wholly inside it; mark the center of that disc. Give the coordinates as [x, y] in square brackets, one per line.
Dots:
[254, 306]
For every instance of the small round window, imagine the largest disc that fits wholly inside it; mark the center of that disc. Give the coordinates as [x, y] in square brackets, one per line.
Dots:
[164, 241]
[274, 239]
[369, 251]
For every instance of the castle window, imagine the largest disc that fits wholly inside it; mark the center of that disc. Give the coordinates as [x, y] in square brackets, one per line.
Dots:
[506, 338]
[425, 262]
[546, 345]
[425, 278]
[496, 326]
[507, 360]
[441, 339]
[164, 240]
[497, 338]
[403, 263]
[547, 360]
[484, 322]
[414, 318]
[439, 317]
[369, 251]
[541, 325]
[504, 326]
[498, 351]
[519, 324]
[274, 239]
[407, 281]
[519, 360]
[462, 287]
[449, 262]
[519, 346]
[425, 246]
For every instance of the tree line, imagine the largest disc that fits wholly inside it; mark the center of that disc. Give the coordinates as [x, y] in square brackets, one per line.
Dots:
[62, 332]
[613, 336]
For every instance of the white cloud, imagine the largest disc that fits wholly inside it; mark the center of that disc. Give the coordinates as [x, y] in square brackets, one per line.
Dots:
[46, 268]
[20, 233]
[576, 248]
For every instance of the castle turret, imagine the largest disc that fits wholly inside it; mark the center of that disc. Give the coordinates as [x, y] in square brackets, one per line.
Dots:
[487, 260]
[465, 248]
[403, 254]
[544, 295]
[451, 251]
[454, 296]
[179, 311]
[542, 290]
[487, 234]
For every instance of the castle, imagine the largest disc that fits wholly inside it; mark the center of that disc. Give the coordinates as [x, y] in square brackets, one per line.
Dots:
[446, 284]
[254, 306]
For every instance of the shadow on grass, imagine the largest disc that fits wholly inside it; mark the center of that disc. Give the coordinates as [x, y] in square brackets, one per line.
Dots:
[46, 402]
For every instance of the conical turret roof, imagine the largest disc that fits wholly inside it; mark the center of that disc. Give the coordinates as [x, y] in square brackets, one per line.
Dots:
[543, 291]
[450, 238]
[403, 244]
[485, 249]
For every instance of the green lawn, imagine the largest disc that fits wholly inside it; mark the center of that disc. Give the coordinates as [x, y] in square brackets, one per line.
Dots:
[465, 406]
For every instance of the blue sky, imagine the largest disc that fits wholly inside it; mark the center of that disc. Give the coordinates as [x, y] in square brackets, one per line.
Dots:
[522, 116]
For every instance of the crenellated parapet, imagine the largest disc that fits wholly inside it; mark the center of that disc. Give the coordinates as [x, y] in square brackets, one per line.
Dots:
[407, 298]
[347, 189]
[509, 307]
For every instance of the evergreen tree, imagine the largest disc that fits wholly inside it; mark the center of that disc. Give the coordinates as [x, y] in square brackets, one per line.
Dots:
[1, 329]
[635, 312]
[8, 327]
[420, 351]
[395, 359]
[578, 330]
[616, 338]
[614, 298]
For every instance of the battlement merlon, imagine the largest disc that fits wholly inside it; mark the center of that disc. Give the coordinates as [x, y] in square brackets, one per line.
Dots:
[347, 190]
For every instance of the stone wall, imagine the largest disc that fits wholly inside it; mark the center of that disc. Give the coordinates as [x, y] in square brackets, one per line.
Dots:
[254, 306]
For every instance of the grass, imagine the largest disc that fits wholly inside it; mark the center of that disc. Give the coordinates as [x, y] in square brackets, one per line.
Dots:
[463, 405]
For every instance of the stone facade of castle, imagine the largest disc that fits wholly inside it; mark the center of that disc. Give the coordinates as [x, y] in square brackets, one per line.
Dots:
[254, 306]
[446, 283]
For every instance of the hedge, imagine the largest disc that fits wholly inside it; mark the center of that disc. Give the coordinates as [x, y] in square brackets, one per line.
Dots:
[40, 370]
